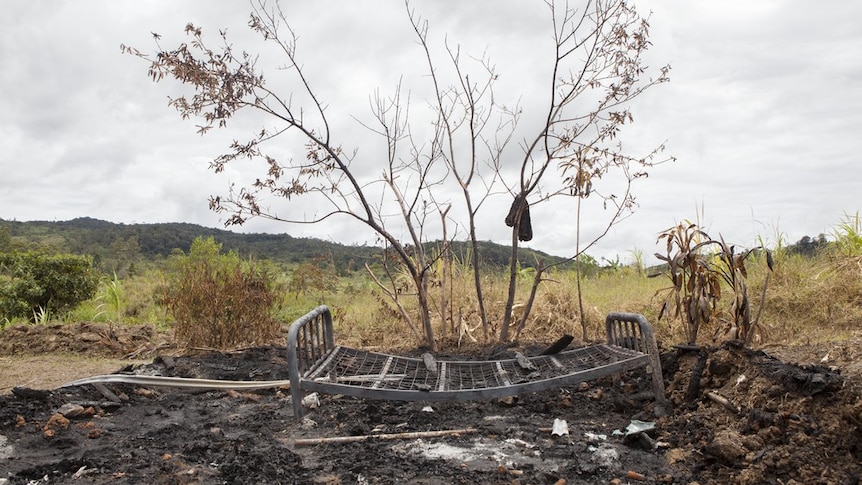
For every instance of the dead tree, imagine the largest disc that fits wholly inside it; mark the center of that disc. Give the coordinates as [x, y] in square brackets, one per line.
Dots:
[598, 64]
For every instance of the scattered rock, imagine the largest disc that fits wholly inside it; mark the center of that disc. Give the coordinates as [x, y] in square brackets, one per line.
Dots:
[606, 456]
[311, 401]
[71, 411]
[676, 455]
[6, 450]
[727, 446]
[90, 337]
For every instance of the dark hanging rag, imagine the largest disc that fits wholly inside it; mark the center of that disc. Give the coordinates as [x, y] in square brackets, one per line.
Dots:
[525, 227]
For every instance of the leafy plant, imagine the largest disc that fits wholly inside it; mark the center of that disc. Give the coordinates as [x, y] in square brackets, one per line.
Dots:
[114, 297]
[613, 265]
[694, 287]
[637, 260]
[41, 315]
[848, 235]
[777, 243]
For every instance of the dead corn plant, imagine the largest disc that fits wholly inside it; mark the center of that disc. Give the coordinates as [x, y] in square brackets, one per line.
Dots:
[697, 277]
[732, 270]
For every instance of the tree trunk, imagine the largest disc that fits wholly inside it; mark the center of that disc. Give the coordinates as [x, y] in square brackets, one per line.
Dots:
[445, 280]
[529, 307]
[445, 283]
[581, 316]
[477, 281]
[424, 309]
[513, 283]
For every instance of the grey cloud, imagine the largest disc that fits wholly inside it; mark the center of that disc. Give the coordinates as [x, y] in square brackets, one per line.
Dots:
[762, 111]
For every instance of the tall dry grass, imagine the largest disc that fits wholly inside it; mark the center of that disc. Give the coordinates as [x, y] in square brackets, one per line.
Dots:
[808, 300]
[369, 319]
[813, 300]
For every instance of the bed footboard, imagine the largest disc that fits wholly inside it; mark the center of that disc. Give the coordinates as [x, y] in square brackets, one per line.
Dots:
[309, 342]
[632, 331]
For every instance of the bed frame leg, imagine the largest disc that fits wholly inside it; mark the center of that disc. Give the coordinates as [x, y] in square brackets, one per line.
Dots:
[296, 393]
[662, 406]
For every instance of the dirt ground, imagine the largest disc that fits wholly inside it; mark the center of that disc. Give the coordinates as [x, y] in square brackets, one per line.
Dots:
[739, 416]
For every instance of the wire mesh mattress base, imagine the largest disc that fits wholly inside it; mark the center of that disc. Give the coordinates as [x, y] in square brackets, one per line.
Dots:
[349, 371]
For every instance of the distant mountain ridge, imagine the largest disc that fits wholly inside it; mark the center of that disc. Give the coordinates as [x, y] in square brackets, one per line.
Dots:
[86, 235]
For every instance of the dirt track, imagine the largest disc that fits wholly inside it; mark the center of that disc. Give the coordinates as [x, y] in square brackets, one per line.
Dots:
[794, 424]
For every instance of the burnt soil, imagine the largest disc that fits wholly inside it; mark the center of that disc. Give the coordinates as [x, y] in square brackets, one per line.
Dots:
[790, 423]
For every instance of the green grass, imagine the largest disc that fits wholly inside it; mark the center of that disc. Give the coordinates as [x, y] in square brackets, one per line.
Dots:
[132, 301]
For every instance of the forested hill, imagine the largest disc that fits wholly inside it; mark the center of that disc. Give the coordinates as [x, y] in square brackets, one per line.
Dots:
[108, 240]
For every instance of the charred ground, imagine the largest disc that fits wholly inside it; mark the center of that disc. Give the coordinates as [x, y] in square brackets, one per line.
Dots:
[790, 423]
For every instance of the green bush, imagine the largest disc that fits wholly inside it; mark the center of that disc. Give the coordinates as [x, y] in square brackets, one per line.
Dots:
[34, 283]
[219, 300]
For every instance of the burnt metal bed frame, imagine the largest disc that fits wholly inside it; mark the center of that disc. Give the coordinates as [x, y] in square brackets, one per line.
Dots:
[316, 363]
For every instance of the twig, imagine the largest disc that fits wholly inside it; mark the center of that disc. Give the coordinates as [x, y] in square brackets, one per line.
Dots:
[724, 402]
[755, 324]
[145, 349]
[109, 395]
[388, 436]
[394, 297]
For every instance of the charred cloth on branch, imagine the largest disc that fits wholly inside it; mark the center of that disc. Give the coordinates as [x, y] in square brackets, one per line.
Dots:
[525, 227]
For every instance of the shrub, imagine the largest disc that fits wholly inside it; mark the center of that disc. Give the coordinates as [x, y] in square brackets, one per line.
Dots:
[34, 283]
[317, 277]
[219, 300]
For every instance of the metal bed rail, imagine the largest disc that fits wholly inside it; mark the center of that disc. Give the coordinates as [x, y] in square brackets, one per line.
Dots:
[315, 363]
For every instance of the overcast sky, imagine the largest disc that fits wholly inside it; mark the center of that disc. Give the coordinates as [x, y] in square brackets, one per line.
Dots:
[763, 112]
